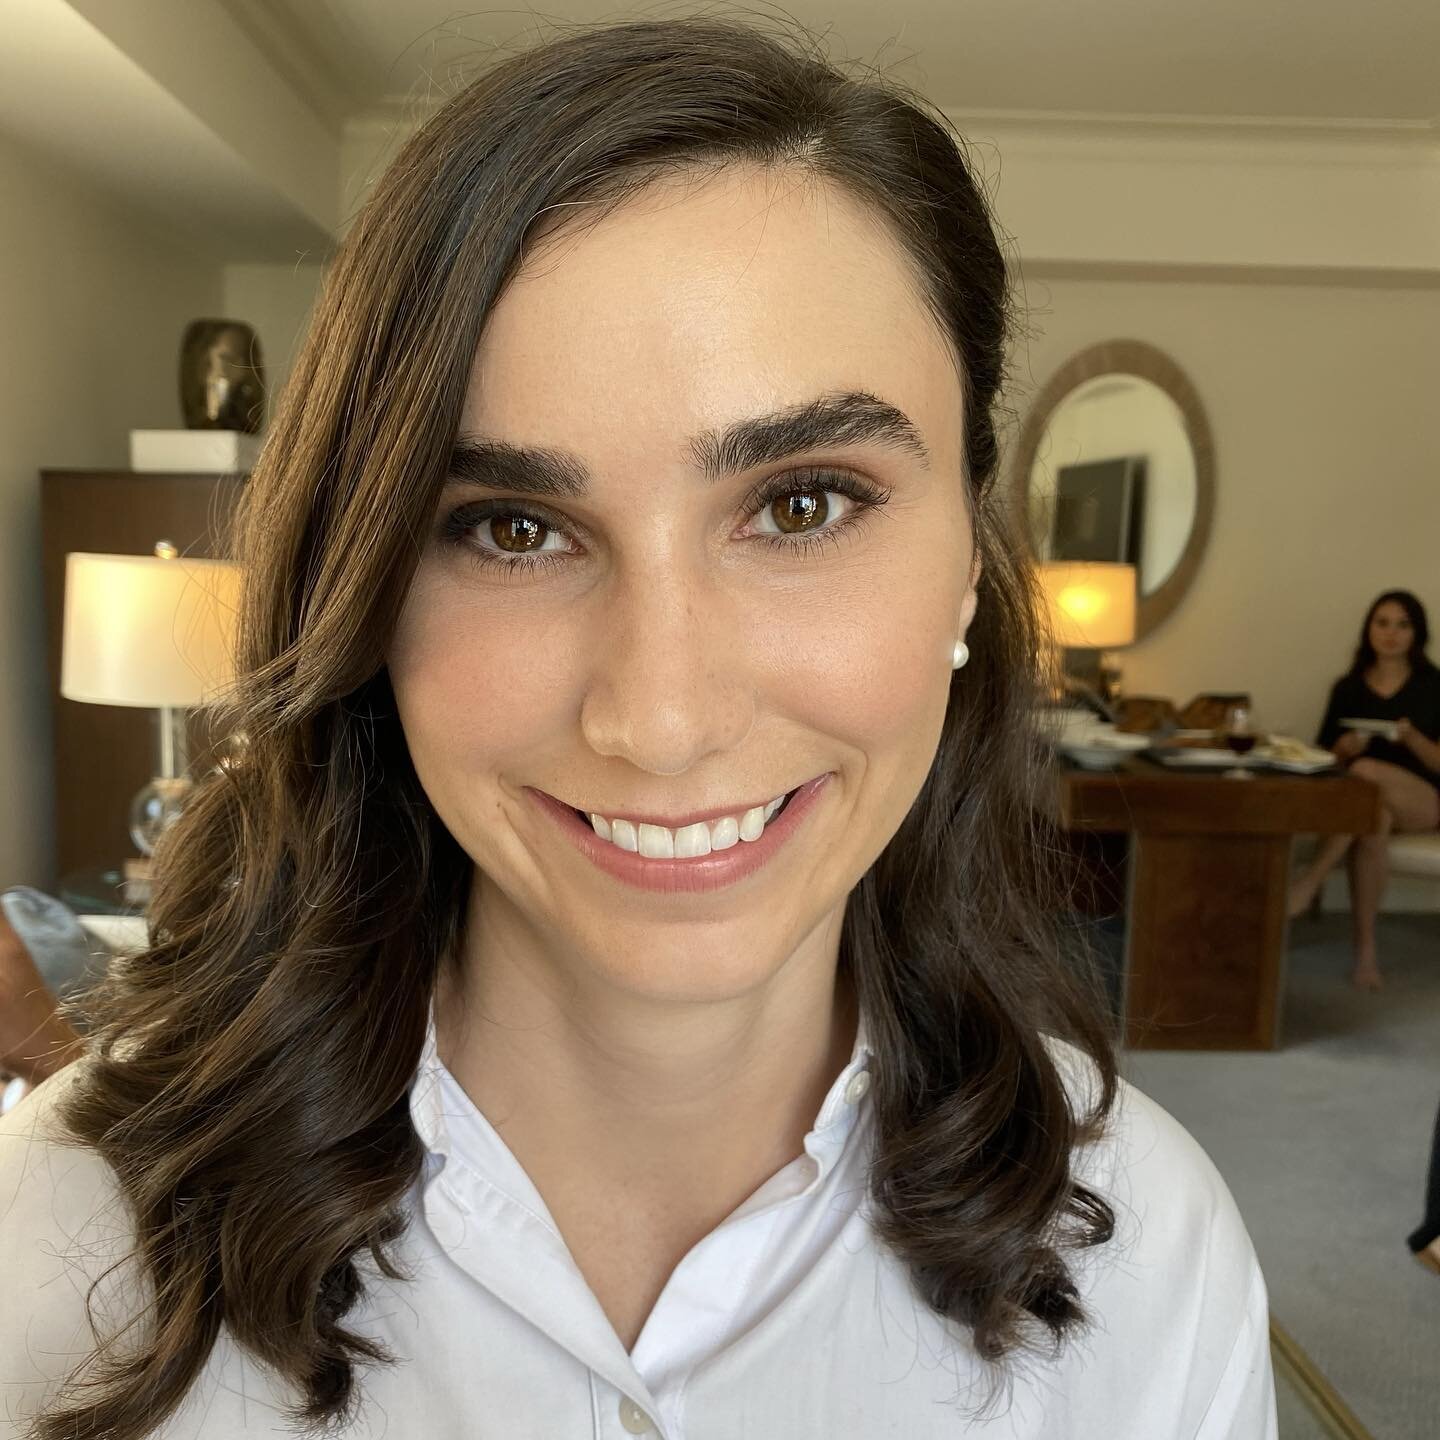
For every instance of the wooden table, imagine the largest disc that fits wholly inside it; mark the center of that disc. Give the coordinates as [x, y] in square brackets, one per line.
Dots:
[1206, 892]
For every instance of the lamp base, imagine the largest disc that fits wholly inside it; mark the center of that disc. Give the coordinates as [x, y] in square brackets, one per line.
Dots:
[155, 808]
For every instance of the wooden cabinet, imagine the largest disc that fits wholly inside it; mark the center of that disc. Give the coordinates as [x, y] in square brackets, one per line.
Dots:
[103, 754]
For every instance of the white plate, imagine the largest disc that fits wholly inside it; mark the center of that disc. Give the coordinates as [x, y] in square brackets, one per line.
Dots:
[1387, 729]
[1094, 757]
[1301, 767]
[1310, 759]
[1100, 752]
[1193, 757]
[1098, 735]
[1083, 727]
[1121, 740]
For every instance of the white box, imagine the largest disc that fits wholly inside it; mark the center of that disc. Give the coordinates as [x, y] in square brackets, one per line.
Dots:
[207, 452]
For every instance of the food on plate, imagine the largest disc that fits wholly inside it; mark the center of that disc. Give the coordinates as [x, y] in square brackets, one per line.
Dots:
[1287, 750]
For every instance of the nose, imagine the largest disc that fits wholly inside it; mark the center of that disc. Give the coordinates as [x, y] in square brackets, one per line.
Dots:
[668, 682]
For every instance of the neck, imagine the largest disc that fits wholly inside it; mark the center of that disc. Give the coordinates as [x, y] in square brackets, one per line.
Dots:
[591, 1084]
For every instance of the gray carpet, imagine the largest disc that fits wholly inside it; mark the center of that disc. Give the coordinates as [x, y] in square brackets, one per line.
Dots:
[1324, 1144]
[1297, 1420]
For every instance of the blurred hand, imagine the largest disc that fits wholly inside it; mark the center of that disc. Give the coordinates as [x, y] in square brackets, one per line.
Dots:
[1350, 744]
[1403, 731]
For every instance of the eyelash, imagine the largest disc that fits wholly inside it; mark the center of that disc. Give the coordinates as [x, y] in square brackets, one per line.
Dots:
[457, 526]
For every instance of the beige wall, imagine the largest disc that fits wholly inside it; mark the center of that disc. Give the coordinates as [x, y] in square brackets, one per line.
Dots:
[275, 301]
[1327, 437]
[92, 307]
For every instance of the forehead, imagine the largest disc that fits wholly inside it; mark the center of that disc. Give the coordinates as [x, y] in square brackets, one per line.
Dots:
[695, 304]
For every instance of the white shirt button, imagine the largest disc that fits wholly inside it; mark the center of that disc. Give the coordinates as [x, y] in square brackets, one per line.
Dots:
[633, 1418]
[856, 1090]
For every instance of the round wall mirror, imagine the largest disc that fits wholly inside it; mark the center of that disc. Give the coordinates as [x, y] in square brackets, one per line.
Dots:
[1116, 463]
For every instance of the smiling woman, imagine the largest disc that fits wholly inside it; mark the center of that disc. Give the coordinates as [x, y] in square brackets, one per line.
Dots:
[616, 990]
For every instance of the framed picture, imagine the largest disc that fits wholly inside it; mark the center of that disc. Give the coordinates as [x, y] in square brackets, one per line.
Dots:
[1098, 510]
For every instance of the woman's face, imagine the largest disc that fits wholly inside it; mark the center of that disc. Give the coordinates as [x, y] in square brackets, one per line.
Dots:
[610, 620]
[1391, 633]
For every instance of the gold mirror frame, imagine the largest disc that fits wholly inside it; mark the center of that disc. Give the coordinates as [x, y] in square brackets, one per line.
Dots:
[1128, 357]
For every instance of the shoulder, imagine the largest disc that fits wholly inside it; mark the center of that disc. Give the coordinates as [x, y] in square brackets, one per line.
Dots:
[1427, 680]
[1176, 1222]
[50, 1185]
[1163, 1175]
[48, 1181]
[66, 1234]
[1180, 1282]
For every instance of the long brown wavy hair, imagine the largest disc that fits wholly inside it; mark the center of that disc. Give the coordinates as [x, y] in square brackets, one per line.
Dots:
[264, 1044]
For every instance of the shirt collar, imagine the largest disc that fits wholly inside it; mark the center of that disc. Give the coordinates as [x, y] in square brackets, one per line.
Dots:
[435, 1094]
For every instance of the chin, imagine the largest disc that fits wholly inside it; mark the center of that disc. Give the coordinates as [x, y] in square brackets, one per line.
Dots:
[688, 969]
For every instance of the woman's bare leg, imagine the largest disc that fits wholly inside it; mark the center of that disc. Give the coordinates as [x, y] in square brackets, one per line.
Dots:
[1306, 887]
[1369, 870]
[1409, 805]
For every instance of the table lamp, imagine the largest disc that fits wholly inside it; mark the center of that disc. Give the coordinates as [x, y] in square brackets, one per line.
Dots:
[155, 631]
[1091, 605]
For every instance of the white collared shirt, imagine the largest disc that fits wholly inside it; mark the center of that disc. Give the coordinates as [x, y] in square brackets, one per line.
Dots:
[789, 1321]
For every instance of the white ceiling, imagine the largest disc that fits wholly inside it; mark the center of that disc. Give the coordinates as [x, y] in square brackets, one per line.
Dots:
[1325, 60]
[71, 94]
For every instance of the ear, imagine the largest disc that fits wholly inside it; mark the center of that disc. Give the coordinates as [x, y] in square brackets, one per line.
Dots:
[971, 597]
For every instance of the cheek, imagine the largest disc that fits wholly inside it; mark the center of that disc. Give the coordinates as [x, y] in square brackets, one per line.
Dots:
[469, 688]
[899, 707]
[870, 666]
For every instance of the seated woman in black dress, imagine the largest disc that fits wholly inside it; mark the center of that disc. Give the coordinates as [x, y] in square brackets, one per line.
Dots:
[1391, 679]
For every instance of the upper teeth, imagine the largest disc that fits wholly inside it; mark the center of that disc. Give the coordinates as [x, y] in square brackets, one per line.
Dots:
[659, 842]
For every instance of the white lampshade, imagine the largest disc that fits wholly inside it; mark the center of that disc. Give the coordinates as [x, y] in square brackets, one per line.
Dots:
[1092, 604]
[143, 630]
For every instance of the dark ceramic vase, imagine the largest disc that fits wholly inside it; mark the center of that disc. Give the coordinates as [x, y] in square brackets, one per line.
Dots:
[222, 378]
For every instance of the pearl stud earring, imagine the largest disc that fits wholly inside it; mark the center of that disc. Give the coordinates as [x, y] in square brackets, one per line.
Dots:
[962, 654]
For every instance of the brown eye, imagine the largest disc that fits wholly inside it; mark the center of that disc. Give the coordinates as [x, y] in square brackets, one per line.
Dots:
[799, 511]
[517, 534]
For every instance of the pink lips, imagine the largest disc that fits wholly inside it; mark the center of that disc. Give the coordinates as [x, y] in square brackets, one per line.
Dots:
[707, 872]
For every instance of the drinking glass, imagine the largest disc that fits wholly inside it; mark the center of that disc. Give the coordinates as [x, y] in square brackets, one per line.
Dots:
[1240, 738]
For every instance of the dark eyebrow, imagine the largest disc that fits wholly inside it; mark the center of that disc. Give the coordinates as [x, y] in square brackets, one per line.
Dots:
[525, 469]
[853, 417]
[847, 418]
